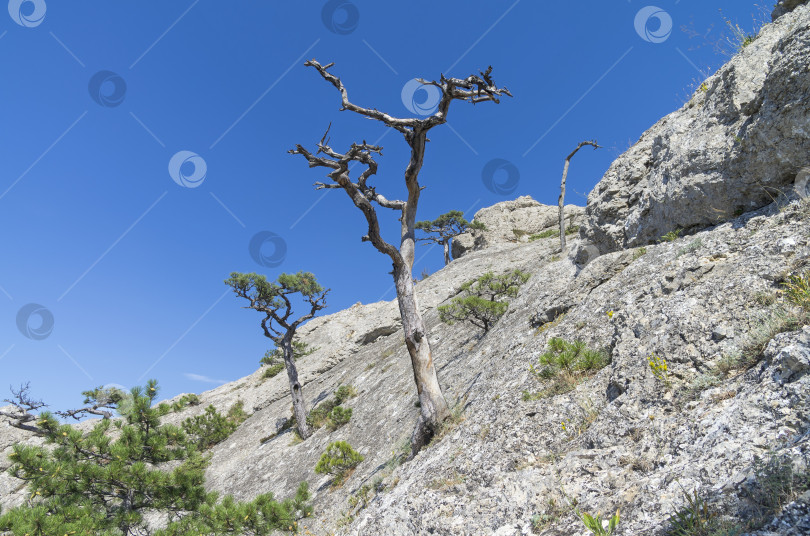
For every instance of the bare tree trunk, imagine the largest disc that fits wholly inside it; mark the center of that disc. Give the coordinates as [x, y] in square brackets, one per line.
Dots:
[447, 259]
[561, 200]
[434, 408]
[473, 89]
[561, 203]
[297, 395]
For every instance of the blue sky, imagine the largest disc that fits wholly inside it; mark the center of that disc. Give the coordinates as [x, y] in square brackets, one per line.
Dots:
[124, 260]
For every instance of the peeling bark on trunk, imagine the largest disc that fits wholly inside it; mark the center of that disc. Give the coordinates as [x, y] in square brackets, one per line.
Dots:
[296, 393]
[561, 202]
[433, 405]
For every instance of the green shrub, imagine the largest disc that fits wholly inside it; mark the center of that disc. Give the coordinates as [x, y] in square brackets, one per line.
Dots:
[797, 291]
[671, 236]
[572, 356]
[337, 460]
[567, 363]
[344, 392]
[339, 416]
[178, 405]
[211, 427]
[640, 252]
[480, 305]
[325, 414]
[549, 233]
[272, 370]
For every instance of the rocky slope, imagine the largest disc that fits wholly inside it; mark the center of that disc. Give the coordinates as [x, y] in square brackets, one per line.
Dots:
[506, 465]
[735, 146]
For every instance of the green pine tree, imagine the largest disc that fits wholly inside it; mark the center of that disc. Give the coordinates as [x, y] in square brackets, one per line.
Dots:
[481, 303]
[274, 300]
[103, 482]
[445, 228]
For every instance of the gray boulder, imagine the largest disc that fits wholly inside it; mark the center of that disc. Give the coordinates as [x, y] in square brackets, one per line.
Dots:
[737, 145]
[513, 221]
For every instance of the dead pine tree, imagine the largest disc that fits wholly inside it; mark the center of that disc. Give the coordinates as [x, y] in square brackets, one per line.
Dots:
[562, 186]
[473, 89]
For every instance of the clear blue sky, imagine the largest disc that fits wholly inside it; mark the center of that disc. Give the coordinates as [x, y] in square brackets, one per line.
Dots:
[129, 262]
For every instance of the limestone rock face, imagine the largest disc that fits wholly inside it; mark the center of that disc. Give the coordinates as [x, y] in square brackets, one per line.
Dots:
[513, 221]
[736, 145]
[505, 464]
[631, 440]
[785, 6]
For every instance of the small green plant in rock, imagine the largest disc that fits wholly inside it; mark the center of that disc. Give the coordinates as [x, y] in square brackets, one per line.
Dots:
[272, 371]
[739, 38]
[344, 392]
[339, 416]
[481, 303]
[698, 518]
[776, 483]
[671, 236]
[519, 233]
[659, 368]
[570, 357]
[324, 414]
[767, 326]
[597, 525]
[693, 246]
[640, 252]
[337, 460]
[567, 363]
[797, 290]
[548, 233]
[694, 519]
[553, 233]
